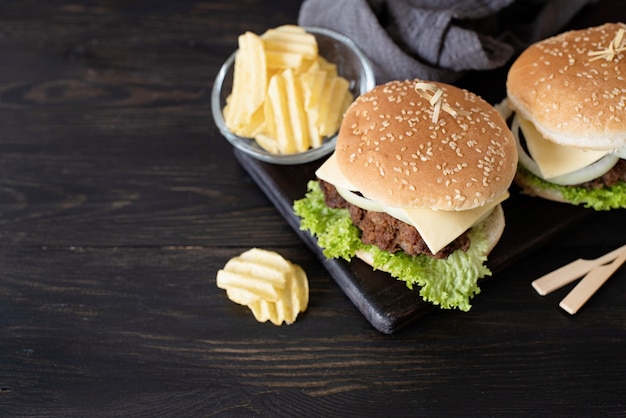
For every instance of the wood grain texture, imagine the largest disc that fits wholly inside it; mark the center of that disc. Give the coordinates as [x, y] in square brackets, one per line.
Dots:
[119, 201]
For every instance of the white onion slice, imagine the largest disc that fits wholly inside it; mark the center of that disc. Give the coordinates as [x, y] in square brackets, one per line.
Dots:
[360, 201]
[368, 204]
[592, 171]
[620, 152]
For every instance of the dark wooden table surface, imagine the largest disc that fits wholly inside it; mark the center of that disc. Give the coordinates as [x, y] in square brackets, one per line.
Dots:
[119, 201]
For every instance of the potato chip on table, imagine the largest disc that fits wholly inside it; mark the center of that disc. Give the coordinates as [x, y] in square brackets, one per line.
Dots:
[272, 287]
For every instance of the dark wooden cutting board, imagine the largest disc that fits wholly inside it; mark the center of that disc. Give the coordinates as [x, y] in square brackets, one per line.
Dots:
[385, 302]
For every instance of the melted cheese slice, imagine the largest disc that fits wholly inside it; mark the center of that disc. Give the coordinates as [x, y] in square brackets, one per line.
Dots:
[438, 228]
[330, 173]
[553, 159]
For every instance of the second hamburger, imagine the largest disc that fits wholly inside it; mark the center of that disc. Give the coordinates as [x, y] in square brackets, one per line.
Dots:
[568, 93]
[414, 187]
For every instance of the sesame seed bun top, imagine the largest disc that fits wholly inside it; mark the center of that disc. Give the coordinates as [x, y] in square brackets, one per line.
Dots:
[572, 87]
[392, 150]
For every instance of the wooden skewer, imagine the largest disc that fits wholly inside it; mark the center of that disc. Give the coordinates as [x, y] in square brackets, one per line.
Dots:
[572, 271]
[589, 285]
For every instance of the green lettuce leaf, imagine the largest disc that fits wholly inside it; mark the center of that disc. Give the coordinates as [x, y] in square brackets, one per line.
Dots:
[605, 198]
[448, 283]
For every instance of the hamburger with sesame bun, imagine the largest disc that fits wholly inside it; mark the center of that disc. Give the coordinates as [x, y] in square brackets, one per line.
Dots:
[568, 95]
[415, 186]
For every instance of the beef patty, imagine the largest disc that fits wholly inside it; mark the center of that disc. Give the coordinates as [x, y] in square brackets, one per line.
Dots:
[385, 231]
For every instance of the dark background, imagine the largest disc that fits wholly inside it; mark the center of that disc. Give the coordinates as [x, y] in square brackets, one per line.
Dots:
[120, 200]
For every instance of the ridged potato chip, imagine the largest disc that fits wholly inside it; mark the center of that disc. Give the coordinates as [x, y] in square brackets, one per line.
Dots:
[249, 85]
[273, 288]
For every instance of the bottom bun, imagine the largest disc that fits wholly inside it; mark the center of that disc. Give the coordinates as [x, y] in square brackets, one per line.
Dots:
[492, 228]
[523, 179]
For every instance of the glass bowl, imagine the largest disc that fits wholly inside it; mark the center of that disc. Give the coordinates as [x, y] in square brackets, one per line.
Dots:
[351, 63]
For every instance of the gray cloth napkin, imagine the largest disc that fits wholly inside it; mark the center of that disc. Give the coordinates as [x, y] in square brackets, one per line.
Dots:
[439, 39]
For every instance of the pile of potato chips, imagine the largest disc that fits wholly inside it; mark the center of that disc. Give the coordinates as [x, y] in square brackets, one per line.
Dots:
[273, 288]
[285, 95]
